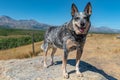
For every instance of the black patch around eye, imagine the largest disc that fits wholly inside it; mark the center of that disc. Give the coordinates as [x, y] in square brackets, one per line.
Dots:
[77, 18]
[87, 18]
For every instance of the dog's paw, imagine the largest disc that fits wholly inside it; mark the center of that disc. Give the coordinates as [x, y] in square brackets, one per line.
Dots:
[79, 74]
[45, 66]
[65, 75]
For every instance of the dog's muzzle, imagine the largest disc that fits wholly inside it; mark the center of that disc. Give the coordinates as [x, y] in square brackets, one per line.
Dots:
[81, 28]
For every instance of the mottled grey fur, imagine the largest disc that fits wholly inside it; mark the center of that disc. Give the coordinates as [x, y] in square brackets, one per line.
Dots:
[57, 36]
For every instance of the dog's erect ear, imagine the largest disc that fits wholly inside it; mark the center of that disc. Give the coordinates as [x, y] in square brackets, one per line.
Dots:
[88, 9]
[73, 9]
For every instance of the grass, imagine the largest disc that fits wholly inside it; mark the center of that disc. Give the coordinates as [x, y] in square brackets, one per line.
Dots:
[20, 52]
[97, 43]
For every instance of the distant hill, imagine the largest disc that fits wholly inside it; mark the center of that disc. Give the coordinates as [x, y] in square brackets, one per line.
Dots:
[103, 29]
[8, 22]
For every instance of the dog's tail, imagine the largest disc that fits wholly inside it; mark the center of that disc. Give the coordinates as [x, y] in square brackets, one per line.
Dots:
[42, 46]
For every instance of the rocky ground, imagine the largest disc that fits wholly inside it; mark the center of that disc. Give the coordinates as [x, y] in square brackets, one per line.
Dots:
[32, 69]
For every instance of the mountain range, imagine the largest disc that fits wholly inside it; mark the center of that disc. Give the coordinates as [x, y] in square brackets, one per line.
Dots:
[103, 29]
[8, 22]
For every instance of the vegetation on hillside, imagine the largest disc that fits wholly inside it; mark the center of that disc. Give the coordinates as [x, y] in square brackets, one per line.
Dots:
[11, 38]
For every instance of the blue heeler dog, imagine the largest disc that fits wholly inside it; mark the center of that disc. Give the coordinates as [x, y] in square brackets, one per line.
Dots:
[71, 36]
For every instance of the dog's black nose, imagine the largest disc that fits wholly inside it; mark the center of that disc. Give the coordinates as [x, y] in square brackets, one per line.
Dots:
[82, 24]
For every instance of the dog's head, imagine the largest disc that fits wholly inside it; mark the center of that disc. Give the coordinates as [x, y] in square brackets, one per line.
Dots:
[80, 20]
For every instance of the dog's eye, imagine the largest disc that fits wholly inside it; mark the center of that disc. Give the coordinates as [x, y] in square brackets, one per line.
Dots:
[77, 18]
[87, 18]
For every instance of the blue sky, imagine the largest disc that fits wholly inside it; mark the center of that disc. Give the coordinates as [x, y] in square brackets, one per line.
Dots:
[57, 12]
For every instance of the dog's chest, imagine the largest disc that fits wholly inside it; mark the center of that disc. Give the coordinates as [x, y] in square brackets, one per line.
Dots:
[80, 39]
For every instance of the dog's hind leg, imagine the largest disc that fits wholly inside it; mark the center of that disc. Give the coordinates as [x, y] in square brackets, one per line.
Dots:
[45, 55]
[52, 55]
[78, 56]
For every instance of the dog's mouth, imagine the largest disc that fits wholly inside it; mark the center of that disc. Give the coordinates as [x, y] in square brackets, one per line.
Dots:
[81, 29]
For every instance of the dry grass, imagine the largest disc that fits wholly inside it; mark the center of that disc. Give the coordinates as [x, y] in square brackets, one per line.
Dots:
[96, 43]
[103, 51]
[20, 52]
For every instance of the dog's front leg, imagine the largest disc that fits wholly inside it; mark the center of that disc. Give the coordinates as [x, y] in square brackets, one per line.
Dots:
[64, 63]
[78, 56]
[52, 55]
